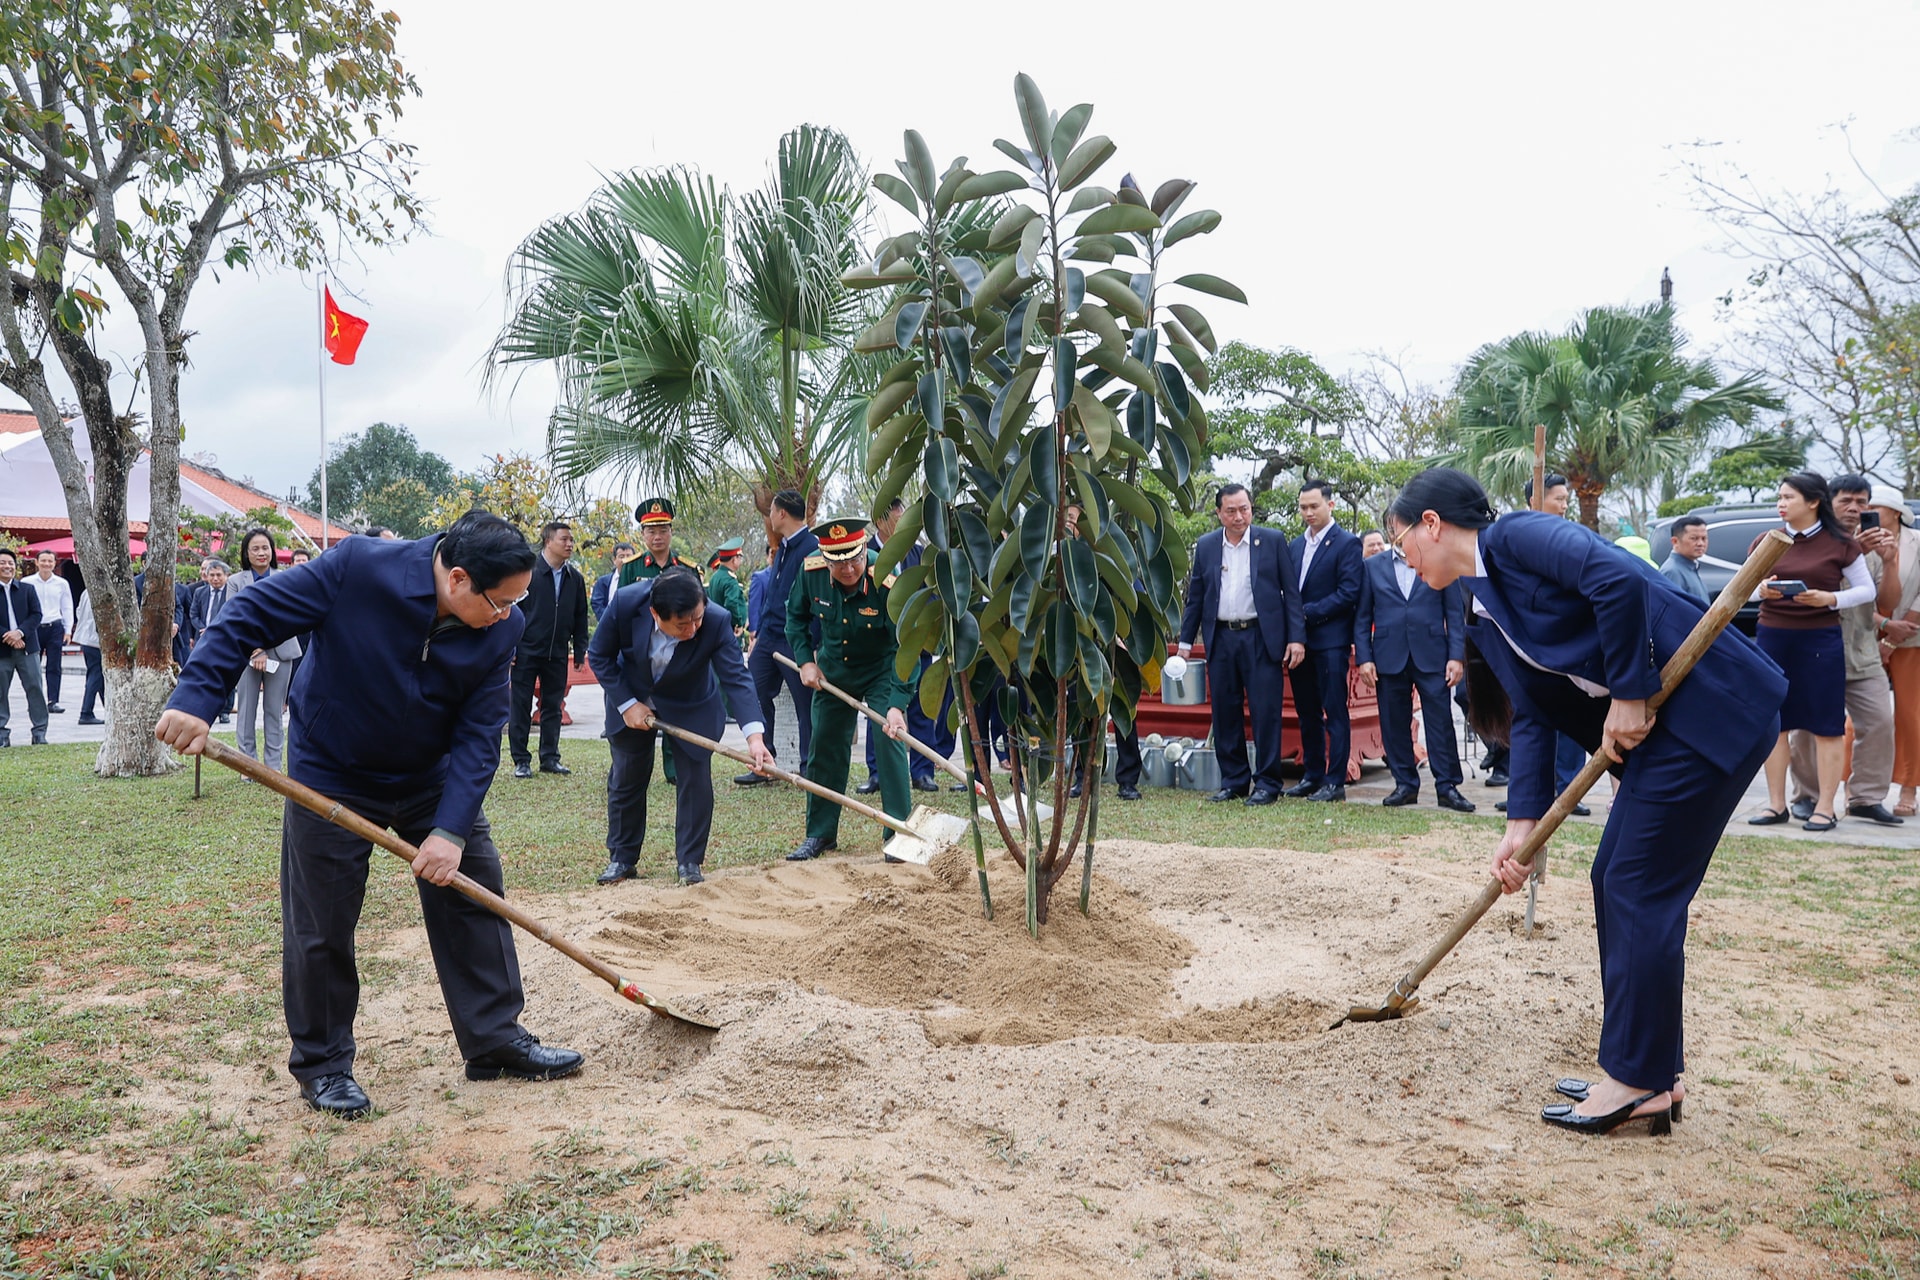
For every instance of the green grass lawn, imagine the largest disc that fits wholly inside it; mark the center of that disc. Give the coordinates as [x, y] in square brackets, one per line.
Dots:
[168, 904]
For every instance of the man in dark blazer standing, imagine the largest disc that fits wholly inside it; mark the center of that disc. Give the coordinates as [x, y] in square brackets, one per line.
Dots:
[20, 648]
[1406, 635]
[556, 612]
[398, 718]
[1329, 563]
[788, 520]
[1242, 603]
[661, 650]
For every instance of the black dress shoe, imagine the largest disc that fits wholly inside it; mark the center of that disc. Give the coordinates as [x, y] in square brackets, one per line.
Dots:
[1801, 809]
[56, 708]
[958, 786]
[1262, 796]
[39, 739]
[925, 784]
[690, 874]
[1300, 789]
[869, 787]
[1562, 1116]
[1581, 811]
[1225, 794]
[1498, 778]
[1450, 798]
[1402, 796]
[1129, 793]
[1499, 806]
[616, 872]
[89, 719]
[223, 718]
[1073, 792]
[1330, 794]
[525, 1059]
[749, 780]
[554, 766]
[1874, 813]
[337, 1095]
[811, 848]
[523, 771]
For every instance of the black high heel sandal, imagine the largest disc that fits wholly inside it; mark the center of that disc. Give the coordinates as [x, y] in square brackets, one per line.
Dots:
[1659, 1123]
[1578, 1089]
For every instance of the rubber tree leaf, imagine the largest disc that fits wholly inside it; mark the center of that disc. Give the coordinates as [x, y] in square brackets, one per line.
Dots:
[966, 649]
[934, 521]
[1140, 418]
[1065, 365]
[1194, 224]
[906, 325]
[885, 403]
[976, 540]
[931, 393]
[953, 578]
[919, 165]
[1082, 573]
[1089, 198]
[1118, 217]
[1014, 342]
[1036, 539]
[1086, 158]
[1116, 290]
[1076, 289]
[970, 274]
[1203, 283]
[1067, 130]
[1043, 465]
[1178, 460]
[899, 190]
[1034, 120]
[959, 348]
[982, 186]
[1008, 226]
[943, 468]
[1196, 324]
[1168, 196]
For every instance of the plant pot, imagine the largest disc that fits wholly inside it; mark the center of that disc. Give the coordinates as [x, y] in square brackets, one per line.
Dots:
[1190, 690]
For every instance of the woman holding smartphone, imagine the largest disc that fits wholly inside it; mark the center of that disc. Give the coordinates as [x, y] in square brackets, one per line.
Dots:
[1576, 631]
[1820, 574]
[262, 690]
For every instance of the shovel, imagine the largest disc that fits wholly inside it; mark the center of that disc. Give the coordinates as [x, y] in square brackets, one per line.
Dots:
[922, 836]
[1040, 811]
[307, 798]
[1402, 1000]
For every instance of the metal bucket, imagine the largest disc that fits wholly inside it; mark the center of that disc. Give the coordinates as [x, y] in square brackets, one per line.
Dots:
[1200, 770]
[1190, 690]
[1155, 770]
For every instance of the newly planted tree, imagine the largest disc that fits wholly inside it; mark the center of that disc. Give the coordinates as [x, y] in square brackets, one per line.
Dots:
[1035, 382]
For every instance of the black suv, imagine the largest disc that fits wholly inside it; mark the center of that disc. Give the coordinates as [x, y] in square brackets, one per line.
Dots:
[1731, 529]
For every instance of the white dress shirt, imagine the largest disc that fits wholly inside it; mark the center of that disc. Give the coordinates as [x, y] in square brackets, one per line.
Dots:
[1403, 574]
[659, 657]
[1236, 578]
[1312, 545]
[1587, 687]
[56, 600]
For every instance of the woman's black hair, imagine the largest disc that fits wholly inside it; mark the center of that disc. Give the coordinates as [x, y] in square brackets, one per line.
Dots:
[1489, 710]
[1812, 486]
[1451, 494]
[246, 544]
[677, 593]
[487, 547]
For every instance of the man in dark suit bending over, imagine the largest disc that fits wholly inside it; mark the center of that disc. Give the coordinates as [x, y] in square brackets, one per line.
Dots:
[1408, 636]
[1328, 558]
[1242, 602]
[660, 650]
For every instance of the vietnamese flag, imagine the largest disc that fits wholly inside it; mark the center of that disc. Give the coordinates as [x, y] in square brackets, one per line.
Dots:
[342, 333]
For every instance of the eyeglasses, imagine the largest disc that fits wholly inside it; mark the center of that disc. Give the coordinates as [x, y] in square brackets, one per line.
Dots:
[498, 610]
[1399, 538]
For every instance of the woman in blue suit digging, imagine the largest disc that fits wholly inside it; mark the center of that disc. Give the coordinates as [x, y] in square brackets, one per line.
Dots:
[1575, 632]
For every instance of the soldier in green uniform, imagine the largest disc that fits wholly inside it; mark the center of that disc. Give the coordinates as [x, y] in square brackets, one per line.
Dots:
[656, 535]
[723, 586]
[837, 588]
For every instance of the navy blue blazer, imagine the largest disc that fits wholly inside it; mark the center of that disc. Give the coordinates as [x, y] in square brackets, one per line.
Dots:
[602, 589]
[786, 571]
[1330, 596]
[1275, 598]
[687, 695]
[1578, 605]
[200, 604]
[26, 613]
[1425, 630]
[386, 702]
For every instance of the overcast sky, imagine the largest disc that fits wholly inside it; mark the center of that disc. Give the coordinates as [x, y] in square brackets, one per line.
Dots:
[1410, 178]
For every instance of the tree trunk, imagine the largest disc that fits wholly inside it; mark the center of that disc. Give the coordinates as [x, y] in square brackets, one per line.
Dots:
[1588, 492]
[135, 697]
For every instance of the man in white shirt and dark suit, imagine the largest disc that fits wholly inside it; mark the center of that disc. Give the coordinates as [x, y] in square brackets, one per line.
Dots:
[1329, 566]
[1242, 602]
[56, 623]
[1406, 635]
[20, 648]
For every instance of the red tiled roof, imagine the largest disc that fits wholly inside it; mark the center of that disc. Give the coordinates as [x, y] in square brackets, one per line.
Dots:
[53, 524]
[244, 498]
[17, 422]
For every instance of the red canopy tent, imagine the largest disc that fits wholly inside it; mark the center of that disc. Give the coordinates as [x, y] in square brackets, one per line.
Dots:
[64, 546]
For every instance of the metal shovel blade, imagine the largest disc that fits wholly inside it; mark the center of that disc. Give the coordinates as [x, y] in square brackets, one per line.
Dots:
[932, 831]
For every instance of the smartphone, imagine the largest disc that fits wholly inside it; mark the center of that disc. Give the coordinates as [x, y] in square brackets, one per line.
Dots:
[1789, 586]
[1869, 519]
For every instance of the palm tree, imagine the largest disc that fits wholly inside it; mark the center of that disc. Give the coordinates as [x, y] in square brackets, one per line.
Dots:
[1621, 404]
[693, 331]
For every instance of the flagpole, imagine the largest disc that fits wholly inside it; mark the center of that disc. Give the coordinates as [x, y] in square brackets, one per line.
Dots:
[320, 362]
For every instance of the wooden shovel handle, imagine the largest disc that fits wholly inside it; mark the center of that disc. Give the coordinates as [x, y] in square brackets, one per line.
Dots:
[1698, 641]
[341, 816]
[859, 705]
[774, 770]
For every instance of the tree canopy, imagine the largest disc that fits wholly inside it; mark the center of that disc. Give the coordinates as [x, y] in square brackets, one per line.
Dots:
[382, 476]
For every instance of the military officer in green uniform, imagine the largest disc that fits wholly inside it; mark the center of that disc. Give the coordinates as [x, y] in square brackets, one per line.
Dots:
[836, 587]
[723, 585]
[656, 535]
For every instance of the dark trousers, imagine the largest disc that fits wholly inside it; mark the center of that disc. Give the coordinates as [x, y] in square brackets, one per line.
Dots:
[931, 730]
[1240, 677]
[831, 756]
[1396, 727]
[551, 673]
[1569, 758]
[323, 882]
[53, 636]
[96, 686]
[627, 780]
[1668, 814]
[767, 676]
[1126, 763]
[27, 666]
[1320, 703]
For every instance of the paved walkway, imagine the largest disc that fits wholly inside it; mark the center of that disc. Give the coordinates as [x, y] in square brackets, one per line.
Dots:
[585, 705]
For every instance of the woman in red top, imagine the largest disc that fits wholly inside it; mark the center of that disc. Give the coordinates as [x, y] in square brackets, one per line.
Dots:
[1801, 633]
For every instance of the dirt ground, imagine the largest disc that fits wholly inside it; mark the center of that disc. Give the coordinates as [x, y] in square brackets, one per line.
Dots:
[1154, 1091]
